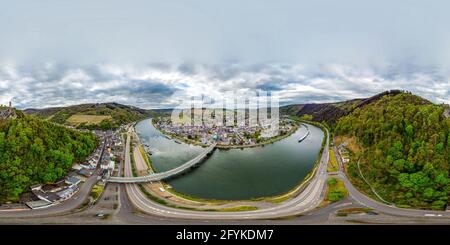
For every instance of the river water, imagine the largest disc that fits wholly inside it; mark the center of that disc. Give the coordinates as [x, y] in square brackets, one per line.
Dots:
[235, 174]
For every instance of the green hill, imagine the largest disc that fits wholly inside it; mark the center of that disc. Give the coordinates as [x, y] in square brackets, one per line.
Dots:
[94, 116]
[36, 151]
[325, 112]
[404, 149]
[330, 113]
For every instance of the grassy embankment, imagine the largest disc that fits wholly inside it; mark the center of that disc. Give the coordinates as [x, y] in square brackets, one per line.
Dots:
[332, 164]
[237, 209]
[96, 192]
[195, 199]
[146, 158]
[347, 211]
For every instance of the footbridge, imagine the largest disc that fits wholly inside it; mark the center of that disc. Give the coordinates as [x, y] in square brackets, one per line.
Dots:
[166, 174]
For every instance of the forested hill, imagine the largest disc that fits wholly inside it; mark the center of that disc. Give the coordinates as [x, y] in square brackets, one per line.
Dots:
[36, 151]
[330, 113]
[94, 116]
[325, 112]
[403, 142]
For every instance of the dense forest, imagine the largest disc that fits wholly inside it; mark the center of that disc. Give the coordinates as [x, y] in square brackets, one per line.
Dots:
[327, 113]
[405, 149]
[36, 151]
[330, 113]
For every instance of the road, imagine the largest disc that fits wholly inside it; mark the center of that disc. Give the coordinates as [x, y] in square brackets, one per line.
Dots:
[307, 200]
[388, 209]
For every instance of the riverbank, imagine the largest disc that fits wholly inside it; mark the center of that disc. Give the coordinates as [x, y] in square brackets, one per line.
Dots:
[302, 185]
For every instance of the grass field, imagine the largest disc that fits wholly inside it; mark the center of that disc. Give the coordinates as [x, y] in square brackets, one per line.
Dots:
[88, 119]
[347, 211]
[336, 190]
[146, 158]
[237, 209]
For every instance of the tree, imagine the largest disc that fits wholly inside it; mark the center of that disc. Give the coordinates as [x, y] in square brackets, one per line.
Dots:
[405, 140]
[409, 130]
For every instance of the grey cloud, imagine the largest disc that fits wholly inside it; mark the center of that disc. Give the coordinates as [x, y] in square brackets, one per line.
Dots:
[153, 86]
[60, 52]
[187, 68]
[272, 86]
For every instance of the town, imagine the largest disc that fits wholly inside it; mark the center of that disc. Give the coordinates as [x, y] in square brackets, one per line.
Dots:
[227, 136]
[99, 166]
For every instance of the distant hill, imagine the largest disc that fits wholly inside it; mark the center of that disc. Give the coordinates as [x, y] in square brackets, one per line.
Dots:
[34, 151]
[330, 112]
[402, 142]
[95, 116]
[326, 112]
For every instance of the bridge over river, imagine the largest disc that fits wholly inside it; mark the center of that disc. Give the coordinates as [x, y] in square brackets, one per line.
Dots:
[166, 174]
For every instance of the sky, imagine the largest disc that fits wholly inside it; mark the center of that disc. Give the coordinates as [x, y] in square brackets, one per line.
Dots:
[151, 53]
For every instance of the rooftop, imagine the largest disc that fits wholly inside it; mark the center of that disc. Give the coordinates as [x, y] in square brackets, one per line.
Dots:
[72, 180]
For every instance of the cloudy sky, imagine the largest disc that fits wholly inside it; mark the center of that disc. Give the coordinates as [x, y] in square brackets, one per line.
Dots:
[147, 53]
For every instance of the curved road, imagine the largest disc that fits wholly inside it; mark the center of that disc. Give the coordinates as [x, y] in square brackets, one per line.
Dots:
[307, 200]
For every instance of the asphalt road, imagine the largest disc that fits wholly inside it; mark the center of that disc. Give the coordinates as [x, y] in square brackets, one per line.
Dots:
[307, 200]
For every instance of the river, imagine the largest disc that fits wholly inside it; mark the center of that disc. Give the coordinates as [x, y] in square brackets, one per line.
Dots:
[236, 174]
